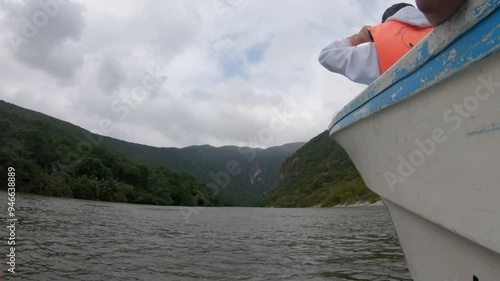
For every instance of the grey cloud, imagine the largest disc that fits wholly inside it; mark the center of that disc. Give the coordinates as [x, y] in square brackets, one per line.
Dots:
[102, 48]
[110, 75]
[168, 28]
[235, 94]
[46, 45]
[200, 121]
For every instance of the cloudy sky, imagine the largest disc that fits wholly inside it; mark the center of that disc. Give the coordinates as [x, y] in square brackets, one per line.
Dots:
[176, 73]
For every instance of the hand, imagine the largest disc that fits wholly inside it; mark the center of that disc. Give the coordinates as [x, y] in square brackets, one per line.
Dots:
[363, 36]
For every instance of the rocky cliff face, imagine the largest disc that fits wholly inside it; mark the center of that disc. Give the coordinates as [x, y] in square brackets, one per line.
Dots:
[241, 175]
[255, 175]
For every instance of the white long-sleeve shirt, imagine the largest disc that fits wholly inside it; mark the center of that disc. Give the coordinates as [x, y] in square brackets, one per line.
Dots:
[360, 63]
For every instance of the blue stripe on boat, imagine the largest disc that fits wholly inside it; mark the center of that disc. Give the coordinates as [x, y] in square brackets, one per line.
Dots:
[472, 47]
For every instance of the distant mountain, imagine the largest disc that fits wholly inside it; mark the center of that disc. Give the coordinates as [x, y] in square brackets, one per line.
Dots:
[55, 158]
[320, 173]
[241, 175]
[35, 143]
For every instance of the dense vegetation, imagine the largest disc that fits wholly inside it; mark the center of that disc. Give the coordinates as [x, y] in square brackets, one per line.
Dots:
[252, 172]
[55, 158]
[320, 173]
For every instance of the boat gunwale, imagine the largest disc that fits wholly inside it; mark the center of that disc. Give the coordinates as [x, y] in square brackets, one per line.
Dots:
[435, 46]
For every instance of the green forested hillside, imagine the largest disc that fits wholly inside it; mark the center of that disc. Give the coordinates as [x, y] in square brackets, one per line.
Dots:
[241, 175]
[55, 158]
[320, 173]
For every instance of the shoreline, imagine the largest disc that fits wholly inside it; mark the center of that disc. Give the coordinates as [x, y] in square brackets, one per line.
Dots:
[358, 204]
[361, 204]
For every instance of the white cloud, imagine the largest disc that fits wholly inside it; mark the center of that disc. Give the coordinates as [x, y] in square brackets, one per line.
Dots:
[234, 67]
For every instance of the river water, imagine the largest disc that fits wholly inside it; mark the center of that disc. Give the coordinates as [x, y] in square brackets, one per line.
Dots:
[66, 239]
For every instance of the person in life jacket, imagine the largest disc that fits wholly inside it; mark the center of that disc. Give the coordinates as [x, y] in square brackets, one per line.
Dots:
[364, 56]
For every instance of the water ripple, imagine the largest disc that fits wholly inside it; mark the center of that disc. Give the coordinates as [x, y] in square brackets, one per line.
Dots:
[61, 239]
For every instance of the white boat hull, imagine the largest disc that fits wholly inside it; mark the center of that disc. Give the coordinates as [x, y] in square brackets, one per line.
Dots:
[440, 180]
[434, 158]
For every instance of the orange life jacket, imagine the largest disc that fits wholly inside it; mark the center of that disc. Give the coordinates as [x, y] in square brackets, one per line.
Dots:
[393, 39]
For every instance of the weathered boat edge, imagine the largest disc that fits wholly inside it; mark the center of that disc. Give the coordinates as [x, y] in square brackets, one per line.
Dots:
[445, 208]
[433, 48]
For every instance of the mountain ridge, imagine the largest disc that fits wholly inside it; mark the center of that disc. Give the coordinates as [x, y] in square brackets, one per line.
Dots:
[208, 164]
[318, 172]
[52, 157]
[257, 168]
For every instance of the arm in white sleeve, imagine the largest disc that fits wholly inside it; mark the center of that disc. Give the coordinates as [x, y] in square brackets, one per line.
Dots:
[358, 63]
